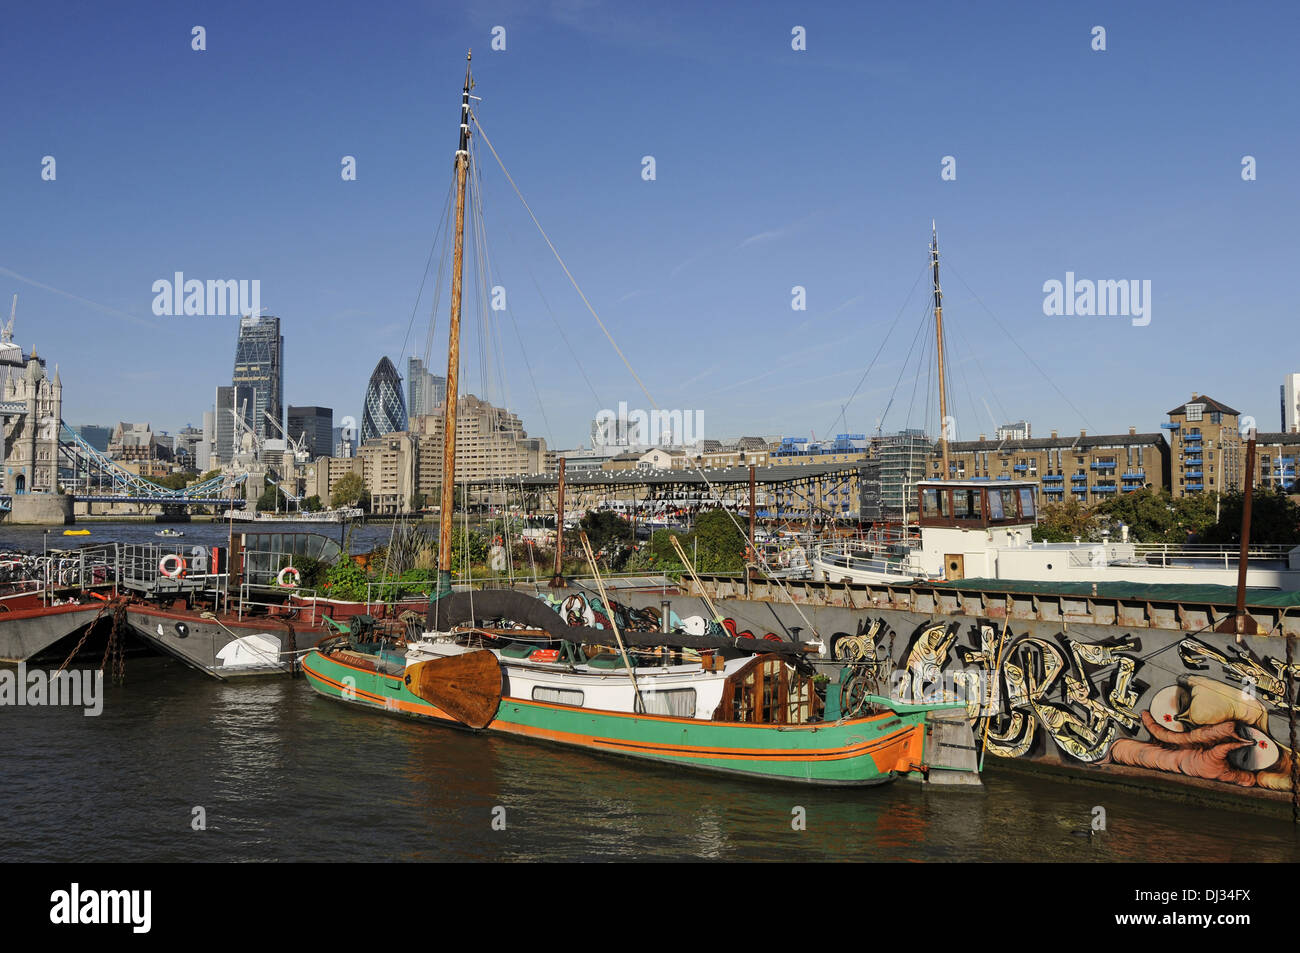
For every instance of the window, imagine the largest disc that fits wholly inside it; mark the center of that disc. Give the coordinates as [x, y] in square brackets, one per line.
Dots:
[564, 696]
[1195, 411]
[995, 506]
[1027, 502]
[966, 505]
[933, 502]
[677, 702]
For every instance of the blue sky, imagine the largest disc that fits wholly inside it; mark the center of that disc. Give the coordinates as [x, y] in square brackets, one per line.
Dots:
[774, 168]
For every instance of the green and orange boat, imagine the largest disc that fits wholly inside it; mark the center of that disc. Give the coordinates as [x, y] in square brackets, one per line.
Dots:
[501, 660]
[505, 661]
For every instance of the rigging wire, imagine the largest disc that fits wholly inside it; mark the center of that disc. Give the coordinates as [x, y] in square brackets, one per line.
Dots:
[1027, 355]
[699, 470]
[844, 407]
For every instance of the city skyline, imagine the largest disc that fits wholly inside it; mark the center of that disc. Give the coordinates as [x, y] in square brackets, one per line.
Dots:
[1122, 164]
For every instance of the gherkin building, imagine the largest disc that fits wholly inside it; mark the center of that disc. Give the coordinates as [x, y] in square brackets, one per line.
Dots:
[385, 409]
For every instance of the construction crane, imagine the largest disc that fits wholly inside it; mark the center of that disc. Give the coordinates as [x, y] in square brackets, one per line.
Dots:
[300, 452]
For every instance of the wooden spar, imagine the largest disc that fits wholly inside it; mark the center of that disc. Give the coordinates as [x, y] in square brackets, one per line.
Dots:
[938, 334]
[751, 567]
[1242, 624]
[466, 687]
[557, 578]
[453, 354]
[613, 622]
[751, 509]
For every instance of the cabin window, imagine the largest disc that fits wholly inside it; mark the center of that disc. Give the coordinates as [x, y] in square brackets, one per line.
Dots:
[677, 702]
[1027, 502]
[966, 504]
[995, 506]
[933, 502]
[557, 696]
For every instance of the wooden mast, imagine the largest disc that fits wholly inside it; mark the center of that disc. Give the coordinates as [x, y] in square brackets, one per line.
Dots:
[557, 577]
[453, 353]
[938, 335]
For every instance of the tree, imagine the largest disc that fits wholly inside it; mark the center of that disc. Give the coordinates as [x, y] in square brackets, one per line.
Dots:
[313, 504]
[272, 499]
[1149, 515]
[721, 543]
[1194, 515]
[1061, 521]
[347, 491]
[604, 527]
[1274, 518]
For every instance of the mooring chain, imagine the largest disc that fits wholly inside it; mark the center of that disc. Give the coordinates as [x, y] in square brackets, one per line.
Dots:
[85, 635]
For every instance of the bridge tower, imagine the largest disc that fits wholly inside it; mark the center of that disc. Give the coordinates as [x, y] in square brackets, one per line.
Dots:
[31, 445]
[31, 458]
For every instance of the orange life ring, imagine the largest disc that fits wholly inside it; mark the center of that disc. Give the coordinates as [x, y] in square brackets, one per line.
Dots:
[281, 579]
[166, 561]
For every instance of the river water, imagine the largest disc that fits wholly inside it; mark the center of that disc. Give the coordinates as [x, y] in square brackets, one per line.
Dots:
[281, 774]
[275, 773]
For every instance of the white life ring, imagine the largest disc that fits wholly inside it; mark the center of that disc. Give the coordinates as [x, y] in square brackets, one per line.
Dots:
[280, 580]
[172, 566]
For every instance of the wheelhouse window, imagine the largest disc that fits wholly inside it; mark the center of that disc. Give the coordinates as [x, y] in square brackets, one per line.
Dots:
[966, 504]
[1027, 502]
[934, 502]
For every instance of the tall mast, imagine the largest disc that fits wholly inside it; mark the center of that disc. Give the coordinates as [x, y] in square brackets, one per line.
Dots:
[938, 335]
[453, 353]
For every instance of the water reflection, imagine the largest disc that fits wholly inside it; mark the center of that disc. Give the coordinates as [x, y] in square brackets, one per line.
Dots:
[284, 775]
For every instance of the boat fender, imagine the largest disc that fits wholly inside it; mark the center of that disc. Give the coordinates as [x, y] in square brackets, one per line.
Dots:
[288, 578]
[172, 566]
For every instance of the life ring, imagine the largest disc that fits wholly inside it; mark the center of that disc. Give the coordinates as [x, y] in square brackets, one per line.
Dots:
[172, 559]
[280, 580]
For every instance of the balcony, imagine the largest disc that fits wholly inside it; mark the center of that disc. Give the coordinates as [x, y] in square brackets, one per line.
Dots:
[1020, 468]
[1195, 486]
[1195, 474]
[1191, 438]
[1134, 475]
[1103, 465]
[1079, 478]
[1104, 488]
[1054, 490]
[1053, 478]
[1170, 426]
[1005, 476]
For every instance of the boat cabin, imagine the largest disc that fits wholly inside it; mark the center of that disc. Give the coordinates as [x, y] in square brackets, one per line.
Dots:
[768, 691]
[976, 504]
[964, 523]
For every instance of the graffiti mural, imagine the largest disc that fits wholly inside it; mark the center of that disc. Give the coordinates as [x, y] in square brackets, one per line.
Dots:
[1088, 700]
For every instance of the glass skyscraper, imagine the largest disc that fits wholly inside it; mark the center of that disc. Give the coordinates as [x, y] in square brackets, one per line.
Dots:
[259, 366]
[425, 391]
[385, 407]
